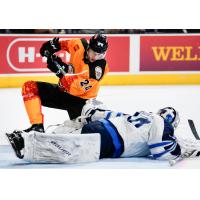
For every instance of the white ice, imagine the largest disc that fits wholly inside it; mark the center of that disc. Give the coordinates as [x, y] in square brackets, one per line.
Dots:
[128, 99]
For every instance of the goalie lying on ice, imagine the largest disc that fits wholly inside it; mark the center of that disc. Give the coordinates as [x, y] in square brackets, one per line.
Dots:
[101, 133]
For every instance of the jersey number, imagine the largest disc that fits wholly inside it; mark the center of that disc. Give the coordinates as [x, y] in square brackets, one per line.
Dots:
[84, 83]
[138, 122]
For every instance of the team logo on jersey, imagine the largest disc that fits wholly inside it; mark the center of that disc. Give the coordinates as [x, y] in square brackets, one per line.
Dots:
[98, 72]
[100, 44]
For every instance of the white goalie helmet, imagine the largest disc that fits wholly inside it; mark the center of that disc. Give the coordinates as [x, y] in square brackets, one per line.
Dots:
[170, 115]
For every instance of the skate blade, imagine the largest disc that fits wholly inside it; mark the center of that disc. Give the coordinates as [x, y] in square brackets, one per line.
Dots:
[10, 140]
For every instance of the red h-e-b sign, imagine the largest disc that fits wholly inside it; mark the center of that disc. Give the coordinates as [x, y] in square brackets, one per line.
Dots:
[20, 54]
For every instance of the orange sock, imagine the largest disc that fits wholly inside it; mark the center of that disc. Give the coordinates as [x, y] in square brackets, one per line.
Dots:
[32, 102]
[33, 109]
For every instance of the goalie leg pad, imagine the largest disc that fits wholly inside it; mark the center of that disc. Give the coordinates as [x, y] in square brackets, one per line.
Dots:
[61, 148]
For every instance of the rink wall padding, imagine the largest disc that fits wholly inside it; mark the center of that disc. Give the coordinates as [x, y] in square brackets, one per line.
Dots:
[162, 79]
[133, 59]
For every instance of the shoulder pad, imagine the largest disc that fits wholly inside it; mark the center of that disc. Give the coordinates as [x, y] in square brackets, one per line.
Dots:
[85, 43]
[97, 69]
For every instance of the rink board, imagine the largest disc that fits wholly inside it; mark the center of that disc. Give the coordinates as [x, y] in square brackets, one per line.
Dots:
[152, 59]
[145, 79]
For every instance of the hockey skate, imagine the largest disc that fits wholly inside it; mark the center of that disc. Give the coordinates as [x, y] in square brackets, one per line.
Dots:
[16, 140]
[17, 143]
[35, 127]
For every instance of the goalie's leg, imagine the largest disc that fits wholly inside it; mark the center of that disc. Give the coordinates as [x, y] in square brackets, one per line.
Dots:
[61, 148]
[112, 145]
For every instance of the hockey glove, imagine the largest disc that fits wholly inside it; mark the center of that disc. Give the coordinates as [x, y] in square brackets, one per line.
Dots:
[189, 147]
[55, 64]
[50, 47]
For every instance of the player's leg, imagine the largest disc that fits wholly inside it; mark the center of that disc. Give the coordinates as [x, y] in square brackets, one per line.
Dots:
[111, 142]
[32, 104]
[38, 94]
[51, 96]
[56, 148]
[35, 94]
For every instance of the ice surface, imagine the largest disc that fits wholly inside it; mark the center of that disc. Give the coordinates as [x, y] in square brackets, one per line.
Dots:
[128, 99]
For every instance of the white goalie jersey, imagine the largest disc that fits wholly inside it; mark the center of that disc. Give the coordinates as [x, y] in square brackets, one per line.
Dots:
[139, 135]
[143, 134]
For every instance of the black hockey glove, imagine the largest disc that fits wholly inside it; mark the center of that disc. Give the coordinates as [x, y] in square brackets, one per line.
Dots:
[50, 47]
[54, 63]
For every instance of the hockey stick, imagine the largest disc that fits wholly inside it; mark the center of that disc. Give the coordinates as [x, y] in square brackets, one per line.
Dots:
[83, 72]
[46, 53]
[65, 73]
[193, 129]
[196, 135]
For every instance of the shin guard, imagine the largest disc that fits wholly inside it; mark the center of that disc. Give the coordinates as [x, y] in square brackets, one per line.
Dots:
[32, 102]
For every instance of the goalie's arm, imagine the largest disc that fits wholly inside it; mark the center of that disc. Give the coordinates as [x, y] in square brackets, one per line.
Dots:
[165, 150]
[162, 143]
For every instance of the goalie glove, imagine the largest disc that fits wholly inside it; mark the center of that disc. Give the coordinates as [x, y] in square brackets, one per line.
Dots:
[69, 126]
[190, 148]
[50, 47]
[56, 65]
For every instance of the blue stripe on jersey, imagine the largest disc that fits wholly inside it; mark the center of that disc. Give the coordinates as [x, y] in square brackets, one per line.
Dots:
[158, 155]
[108, 115]
[160, 144]
[119, 114]
[115, 137]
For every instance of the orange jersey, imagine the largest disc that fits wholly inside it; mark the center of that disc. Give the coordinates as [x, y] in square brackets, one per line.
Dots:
[85, 85]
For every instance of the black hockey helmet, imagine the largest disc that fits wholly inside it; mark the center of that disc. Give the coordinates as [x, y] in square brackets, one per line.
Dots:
[98, 43]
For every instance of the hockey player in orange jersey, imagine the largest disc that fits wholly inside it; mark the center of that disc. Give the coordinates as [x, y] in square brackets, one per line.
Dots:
[87, 63]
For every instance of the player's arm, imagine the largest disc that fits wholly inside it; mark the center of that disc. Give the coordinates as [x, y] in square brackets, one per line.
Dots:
[162, 142]
[165, 149]
[170, 148]
[95, 110]
[80, 84]
[50, 47]
[65, 45]
[57, 66]
[73, 45]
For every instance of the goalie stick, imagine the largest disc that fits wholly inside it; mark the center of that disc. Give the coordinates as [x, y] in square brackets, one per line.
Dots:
[196, 135]
[193, 129]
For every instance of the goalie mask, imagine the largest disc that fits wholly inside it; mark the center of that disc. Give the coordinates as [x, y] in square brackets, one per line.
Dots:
[170, 115]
